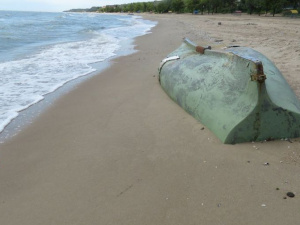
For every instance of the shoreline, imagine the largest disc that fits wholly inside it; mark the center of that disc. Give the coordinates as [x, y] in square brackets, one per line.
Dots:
[21, 111]
[118, 150]
[28, 115]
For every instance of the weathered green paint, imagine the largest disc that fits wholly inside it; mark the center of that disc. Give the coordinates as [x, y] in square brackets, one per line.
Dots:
[216, 88]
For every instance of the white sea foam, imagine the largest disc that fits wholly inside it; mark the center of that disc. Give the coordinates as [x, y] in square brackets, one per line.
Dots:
[26, 80]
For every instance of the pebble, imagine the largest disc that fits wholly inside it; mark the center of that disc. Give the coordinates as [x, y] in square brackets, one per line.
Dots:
[290, 194]
[263, 205]
[266, 164]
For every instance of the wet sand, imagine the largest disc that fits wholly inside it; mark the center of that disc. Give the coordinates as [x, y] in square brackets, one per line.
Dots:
[118, 150]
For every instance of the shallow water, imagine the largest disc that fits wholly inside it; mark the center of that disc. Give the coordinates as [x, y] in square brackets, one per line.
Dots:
[41, 52]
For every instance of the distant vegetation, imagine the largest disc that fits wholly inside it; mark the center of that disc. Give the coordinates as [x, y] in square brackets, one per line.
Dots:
[201, 6]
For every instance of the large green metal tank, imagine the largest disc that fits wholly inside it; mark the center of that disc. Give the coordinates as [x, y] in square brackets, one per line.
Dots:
[236, 92]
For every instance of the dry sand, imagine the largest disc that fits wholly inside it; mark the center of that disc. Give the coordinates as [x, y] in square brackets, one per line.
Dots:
[117, 151]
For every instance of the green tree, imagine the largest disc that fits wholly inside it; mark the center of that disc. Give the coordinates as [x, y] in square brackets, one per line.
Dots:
[150, 6]
[215, 5]
[293, 3]
[137, 7]
[162, 7]
[177, 6]
[192, 5]
[275, 5]
[211, 6]
[144, 7]
[231, 5]
[254, 5]
[203, 4]
[130, 7]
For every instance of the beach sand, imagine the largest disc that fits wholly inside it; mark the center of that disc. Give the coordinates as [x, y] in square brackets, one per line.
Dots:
[117, 150]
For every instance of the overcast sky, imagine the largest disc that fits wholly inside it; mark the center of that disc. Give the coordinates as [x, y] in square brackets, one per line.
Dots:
[57, 5]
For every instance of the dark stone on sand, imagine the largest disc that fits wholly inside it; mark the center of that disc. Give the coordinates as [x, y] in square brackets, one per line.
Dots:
[290, 194]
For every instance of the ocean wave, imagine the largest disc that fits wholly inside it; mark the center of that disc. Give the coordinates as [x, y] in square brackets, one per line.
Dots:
[58, 55]
[24, 82]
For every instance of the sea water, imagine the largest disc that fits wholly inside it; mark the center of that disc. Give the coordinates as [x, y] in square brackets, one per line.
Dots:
[40, 52]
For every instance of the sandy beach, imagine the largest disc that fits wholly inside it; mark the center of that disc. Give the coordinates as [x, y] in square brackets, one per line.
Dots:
[117, 150]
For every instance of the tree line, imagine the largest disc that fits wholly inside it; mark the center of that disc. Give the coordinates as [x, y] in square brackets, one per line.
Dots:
[205, 6]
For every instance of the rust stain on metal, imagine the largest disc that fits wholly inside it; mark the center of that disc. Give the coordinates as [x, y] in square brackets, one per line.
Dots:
[259, 76]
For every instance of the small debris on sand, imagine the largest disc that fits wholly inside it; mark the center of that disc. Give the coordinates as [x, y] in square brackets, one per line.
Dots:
[290, 194]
